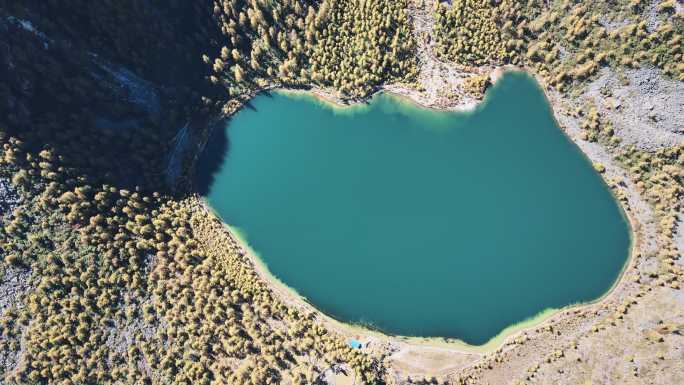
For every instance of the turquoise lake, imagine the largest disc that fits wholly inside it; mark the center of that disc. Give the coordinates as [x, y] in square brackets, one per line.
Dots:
[419, 222]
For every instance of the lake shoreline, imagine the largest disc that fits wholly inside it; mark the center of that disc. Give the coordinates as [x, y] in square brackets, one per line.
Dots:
[399, 91]
[418, 357]
[516, 351]
[351, 330]
[424, 357]
[511, 332]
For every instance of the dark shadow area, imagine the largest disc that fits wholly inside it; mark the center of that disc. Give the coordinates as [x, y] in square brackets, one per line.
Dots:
[211, 159]
[107, 86]
[249, 105]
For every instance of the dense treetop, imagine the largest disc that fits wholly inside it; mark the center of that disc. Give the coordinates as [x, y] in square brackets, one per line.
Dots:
[351, 46]
[130, 282]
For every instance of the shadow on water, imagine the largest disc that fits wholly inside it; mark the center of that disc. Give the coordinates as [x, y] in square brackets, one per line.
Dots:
[510, 141]
[249, 105]
[212, 157]
[214, 153]
[217, 148]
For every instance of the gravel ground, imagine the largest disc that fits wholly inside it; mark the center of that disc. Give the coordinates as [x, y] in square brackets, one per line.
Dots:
[651, 19]
[598, 154]
[14, 282]
[8, 197]
[679, 240]
[644, 106]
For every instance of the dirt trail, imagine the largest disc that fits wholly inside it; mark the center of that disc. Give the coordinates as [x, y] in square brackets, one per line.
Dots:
[439, 84]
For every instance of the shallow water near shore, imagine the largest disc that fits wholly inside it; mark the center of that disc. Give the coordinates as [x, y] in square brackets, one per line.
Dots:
[419, 222]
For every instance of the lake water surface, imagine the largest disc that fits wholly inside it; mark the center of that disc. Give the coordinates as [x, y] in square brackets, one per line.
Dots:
[419, 222]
